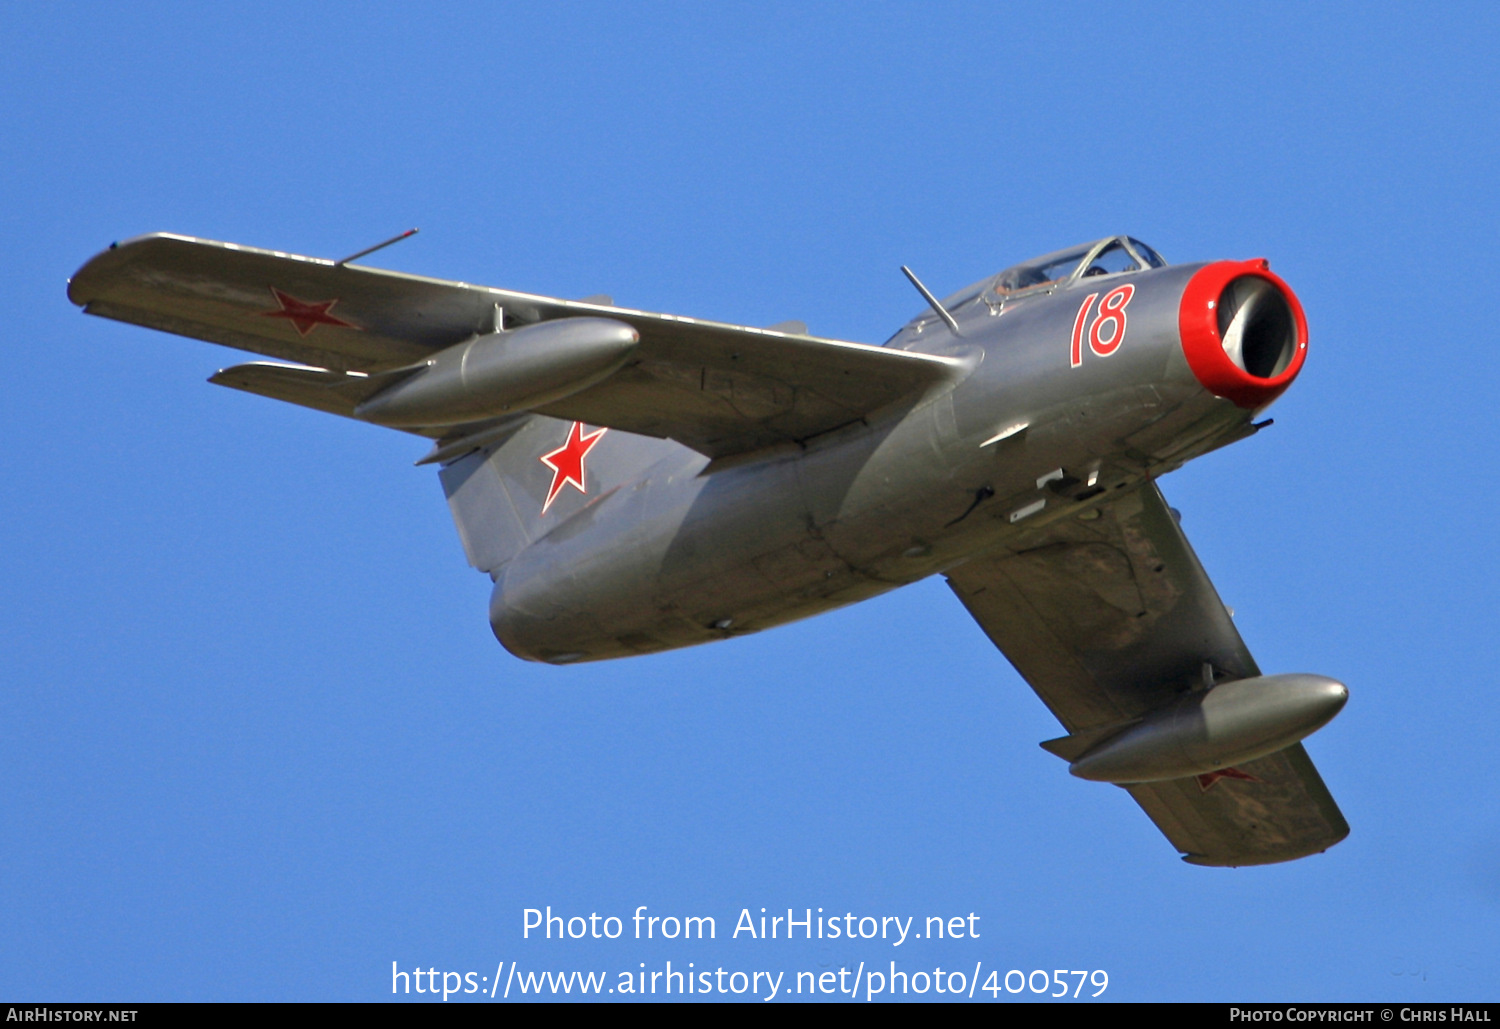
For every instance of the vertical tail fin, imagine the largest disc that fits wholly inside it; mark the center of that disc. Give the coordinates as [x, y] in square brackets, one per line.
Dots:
[516, 489]
[488, 520]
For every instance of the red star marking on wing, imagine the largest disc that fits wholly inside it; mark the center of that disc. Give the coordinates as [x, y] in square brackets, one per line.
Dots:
[566, 461]
[304, 314]
[1206, 782]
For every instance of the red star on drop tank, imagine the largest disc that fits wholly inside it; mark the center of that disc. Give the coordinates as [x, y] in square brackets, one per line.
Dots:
[566, 461]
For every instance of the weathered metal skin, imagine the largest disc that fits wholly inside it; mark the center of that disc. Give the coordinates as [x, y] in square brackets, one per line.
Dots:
[680, 557]
[1206, 730]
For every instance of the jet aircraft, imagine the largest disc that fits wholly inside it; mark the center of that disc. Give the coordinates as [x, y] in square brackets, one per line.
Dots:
[633, 482]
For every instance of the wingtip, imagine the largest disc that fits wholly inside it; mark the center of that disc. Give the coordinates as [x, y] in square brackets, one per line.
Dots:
[1249, 860]
[82, 283]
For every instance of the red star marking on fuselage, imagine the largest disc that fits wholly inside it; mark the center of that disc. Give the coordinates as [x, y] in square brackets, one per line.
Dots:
[1206, 782]
[304, 314]
[566, 461]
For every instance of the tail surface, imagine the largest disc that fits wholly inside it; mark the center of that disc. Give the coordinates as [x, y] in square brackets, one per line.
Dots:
[537, 474]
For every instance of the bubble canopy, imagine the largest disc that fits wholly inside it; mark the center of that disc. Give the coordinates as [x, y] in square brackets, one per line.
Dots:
[1112, 255]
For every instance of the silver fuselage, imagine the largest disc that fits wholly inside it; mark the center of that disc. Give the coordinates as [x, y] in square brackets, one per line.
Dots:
[685, 552]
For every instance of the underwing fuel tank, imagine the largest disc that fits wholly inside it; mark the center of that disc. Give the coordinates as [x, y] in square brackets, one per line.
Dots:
[501, 372]
[1211, 729]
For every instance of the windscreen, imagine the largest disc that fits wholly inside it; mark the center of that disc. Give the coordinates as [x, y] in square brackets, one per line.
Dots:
[1051, 268]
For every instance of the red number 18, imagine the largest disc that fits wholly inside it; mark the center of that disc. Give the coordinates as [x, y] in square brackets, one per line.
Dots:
[1111, 320]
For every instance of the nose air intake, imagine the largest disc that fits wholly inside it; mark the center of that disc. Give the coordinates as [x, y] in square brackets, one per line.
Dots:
[1255, 322]
[1243, 332]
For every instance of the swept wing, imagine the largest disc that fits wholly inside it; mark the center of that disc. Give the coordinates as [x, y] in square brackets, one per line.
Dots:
[720, 389]
[1112, 618]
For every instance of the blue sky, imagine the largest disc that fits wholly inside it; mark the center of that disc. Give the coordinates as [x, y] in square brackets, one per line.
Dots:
[256, 739]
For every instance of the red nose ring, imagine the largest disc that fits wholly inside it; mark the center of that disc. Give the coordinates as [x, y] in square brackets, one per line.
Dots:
[1198, 320]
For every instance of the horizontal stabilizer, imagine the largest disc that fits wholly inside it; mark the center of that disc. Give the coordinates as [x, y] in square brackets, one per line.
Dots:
[318, 388]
